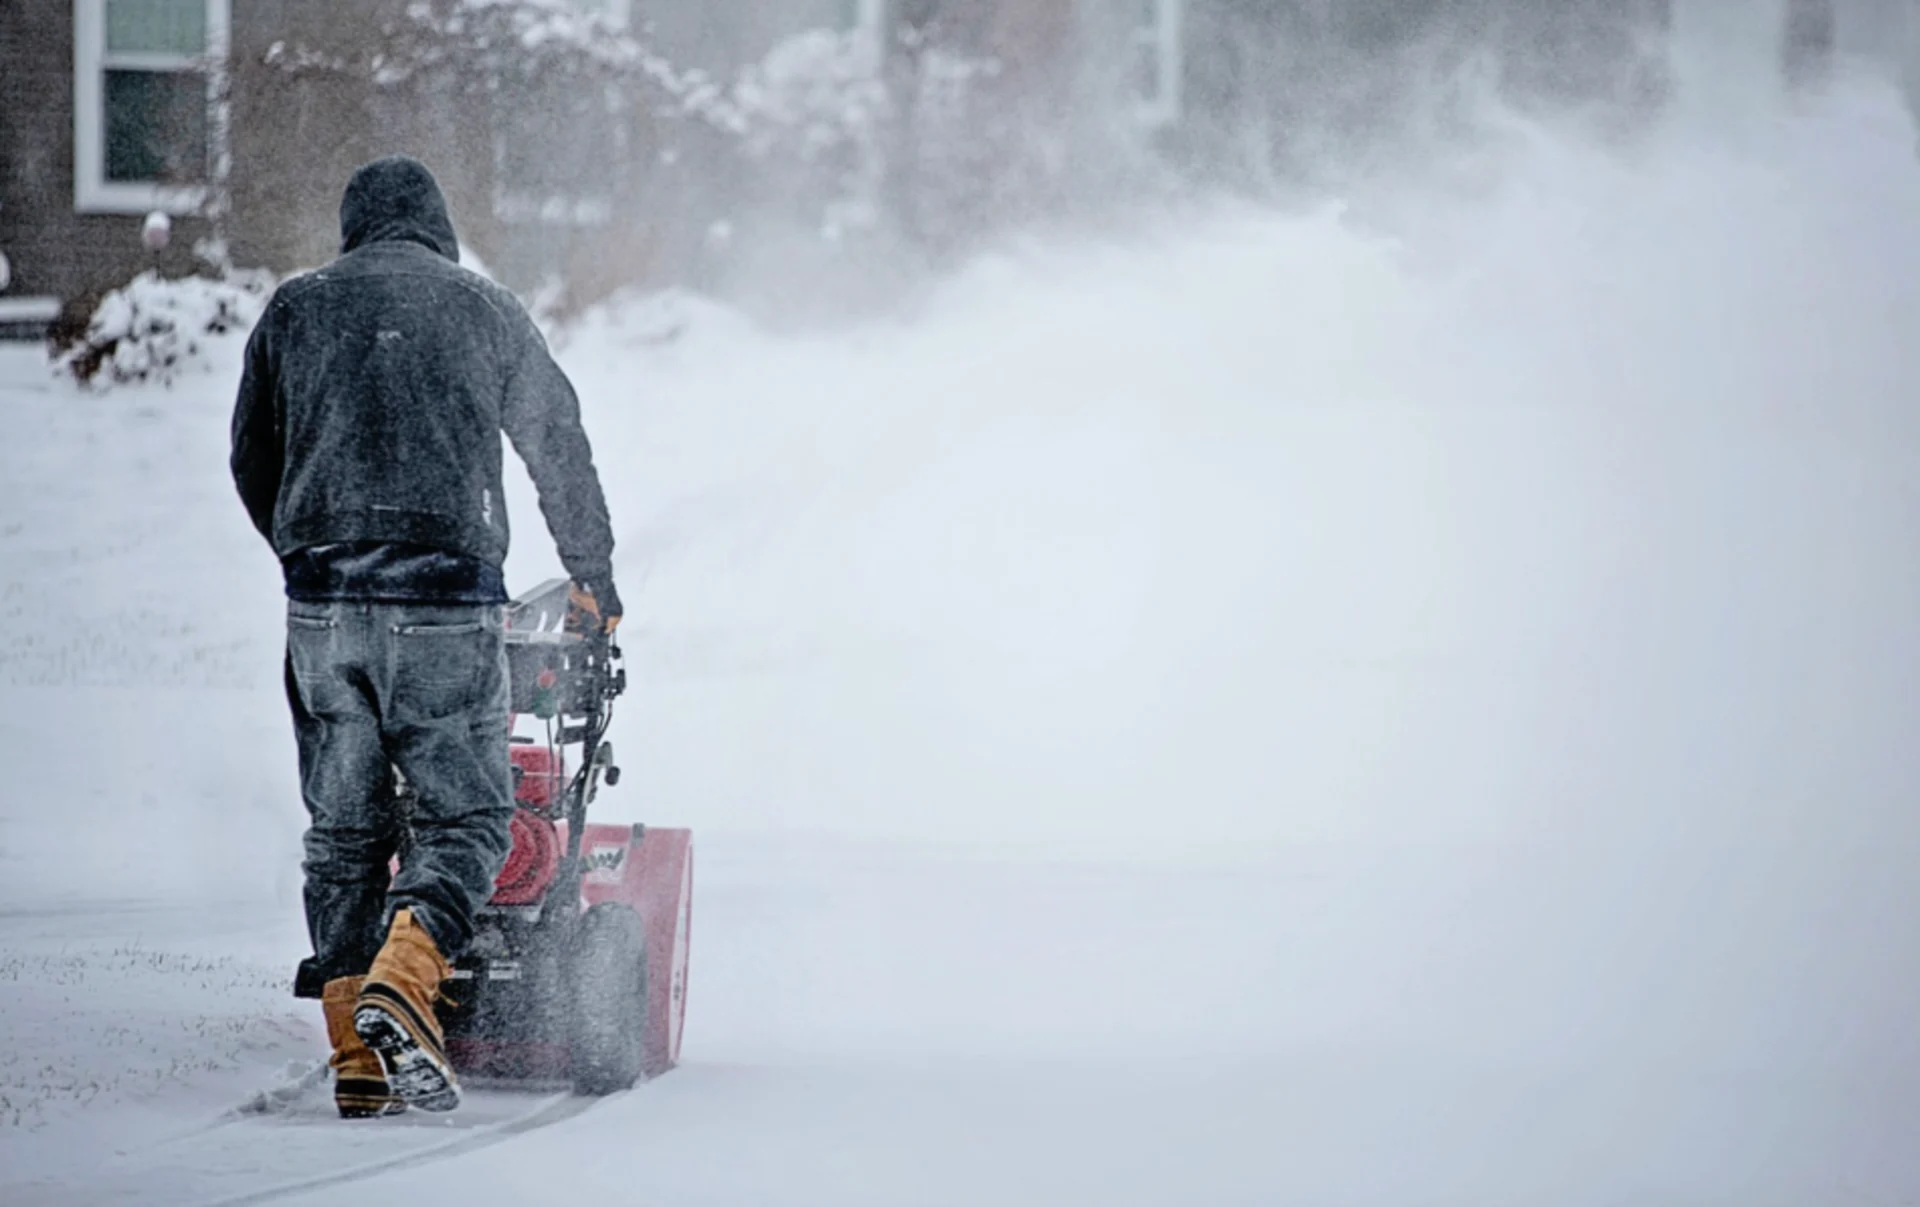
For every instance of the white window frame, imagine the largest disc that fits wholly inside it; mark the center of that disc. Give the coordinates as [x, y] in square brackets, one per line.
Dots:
[93, 193]
[1163, 37]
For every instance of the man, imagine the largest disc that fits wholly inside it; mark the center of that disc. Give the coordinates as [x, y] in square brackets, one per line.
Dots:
[366, 447]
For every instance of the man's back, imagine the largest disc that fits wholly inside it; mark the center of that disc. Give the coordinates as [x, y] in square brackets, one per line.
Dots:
[393, 366]
[376, 390]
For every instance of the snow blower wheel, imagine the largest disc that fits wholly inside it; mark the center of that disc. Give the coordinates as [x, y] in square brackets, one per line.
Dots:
[607, 1046]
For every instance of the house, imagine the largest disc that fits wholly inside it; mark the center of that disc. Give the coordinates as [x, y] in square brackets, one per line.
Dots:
[566, 161]
[107, 114]
[239, 121]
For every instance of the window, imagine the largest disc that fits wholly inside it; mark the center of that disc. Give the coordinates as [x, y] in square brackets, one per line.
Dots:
[1157, 61]
[147, 112]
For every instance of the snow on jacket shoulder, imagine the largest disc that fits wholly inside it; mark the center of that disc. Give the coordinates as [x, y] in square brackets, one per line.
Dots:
[375, 391]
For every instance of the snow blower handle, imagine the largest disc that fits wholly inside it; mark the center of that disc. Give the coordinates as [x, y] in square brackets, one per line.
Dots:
[607, 679]
[564, 666]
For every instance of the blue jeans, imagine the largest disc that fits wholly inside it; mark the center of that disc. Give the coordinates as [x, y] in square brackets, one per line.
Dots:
[417, 689]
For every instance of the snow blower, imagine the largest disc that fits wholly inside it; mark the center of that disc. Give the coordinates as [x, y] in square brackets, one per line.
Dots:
[578, 968]
[577, 972]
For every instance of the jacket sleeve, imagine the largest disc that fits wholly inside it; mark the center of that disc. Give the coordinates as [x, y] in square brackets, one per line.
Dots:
[541, 416]
[259, 452]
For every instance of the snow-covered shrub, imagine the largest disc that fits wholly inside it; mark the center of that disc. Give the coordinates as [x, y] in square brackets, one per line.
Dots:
[813, 94]
[812, 114]
[152, 328]
[478, 47]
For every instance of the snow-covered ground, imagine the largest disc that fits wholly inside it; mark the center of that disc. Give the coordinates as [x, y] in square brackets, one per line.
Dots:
[1257, 713]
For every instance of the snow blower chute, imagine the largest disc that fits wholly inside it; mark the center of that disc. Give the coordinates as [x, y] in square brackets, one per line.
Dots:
[577, 972]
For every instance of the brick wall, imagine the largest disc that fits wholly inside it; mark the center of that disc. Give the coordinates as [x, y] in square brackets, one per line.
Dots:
[54, 251]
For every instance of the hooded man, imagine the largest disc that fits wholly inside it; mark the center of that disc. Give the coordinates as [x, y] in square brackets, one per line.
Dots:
[366, 447]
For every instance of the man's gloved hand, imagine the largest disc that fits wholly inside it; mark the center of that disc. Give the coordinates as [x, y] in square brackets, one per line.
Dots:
[593, 607]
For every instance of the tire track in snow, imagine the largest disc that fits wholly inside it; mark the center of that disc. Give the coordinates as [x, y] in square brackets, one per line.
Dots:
[547, 1111]
[242, 1157]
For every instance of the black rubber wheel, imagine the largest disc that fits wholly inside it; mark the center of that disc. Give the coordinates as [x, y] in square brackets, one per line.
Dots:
[607, 1034]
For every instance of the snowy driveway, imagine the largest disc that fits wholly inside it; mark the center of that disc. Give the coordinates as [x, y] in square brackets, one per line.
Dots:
[1271, 716]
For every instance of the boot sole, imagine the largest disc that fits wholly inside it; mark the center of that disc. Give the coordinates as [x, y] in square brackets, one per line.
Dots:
[365, 1098]
[415, 1074]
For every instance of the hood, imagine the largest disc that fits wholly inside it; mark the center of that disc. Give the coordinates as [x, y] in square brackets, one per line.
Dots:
[396, 199]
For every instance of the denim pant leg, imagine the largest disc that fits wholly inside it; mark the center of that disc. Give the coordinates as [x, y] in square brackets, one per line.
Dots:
[346, 783]
[444, 724]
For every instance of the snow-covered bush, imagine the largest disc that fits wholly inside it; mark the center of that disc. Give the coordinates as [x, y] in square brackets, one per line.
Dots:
[813, 112]
[486, 47]
[152, 328]
[812, 95]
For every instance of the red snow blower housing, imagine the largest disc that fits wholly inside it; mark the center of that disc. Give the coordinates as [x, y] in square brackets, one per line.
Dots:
[577, 971]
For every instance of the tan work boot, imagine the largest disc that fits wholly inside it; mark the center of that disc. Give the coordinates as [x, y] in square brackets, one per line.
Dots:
[394, 1015]
[359, 1082]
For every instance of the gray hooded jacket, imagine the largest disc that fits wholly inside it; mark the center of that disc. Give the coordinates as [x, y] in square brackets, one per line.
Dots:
[376, 390]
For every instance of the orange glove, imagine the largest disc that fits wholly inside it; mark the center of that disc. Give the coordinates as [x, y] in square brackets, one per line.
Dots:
[589, 609]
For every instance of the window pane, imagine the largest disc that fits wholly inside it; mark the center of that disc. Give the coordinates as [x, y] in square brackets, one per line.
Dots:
[157, 26]
[156, 126]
